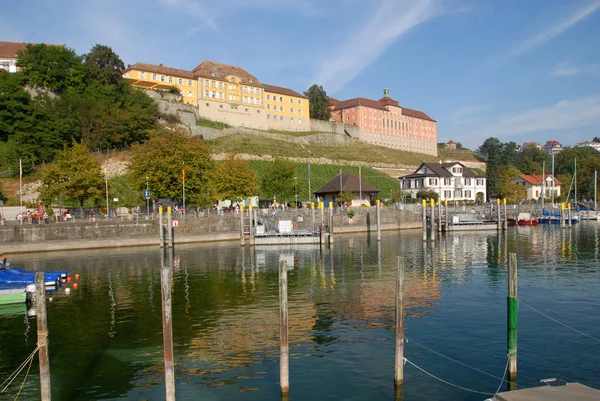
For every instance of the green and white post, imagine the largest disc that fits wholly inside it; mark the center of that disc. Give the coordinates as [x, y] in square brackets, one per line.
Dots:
[513, 312]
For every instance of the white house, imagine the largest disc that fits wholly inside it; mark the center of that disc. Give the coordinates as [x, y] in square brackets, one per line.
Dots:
[534, 183]
[451, 181]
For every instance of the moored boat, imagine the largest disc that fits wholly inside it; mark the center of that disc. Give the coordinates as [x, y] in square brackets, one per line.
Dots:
[523, 219]
[18, 276]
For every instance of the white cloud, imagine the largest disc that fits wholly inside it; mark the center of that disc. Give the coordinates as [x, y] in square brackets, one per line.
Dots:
[392, 20]
[564, 115]
[567, 68]
[555, 29]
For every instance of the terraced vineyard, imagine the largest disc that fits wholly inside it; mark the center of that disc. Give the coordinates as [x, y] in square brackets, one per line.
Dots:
[321, 174]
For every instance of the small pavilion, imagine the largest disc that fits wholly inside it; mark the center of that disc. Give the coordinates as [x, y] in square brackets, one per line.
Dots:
[364, 192]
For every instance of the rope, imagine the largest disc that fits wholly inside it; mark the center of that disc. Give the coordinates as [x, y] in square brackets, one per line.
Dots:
[14, 375]
[25, 379]
[504, 375]
[561, 323]
[447, 382]
[454, 360]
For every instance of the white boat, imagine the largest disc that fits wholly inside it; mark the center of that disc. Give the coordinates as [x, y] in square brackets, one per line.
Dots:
[588, 215]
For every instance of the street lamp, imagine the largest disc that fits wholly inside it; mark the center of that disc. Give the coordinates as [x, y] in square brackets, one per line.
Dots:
[296, 190]
[147, 199]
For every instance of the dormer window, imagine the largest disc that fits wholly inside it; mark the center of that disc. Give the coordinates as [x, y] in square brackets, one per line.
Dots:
[250, 81]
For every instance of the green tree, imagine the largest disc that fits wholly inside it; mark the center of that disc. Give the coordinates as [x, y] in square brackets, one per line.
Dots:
[346, 197]
[53, 67]
[104, 65]
[511, 190]
[234, 179]
[128, 195]
[14, 104]
[278, 180]
[320, 108]
[492, 148]
[167, 157]
[75, 174]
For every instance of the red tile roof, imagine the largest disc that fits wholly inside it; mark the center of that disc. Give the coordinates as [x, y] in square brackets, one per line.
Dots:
[10, 49]
[553, 143]
[160, 69]
[380, 104]
[388, 101]
[416, 114]
[212, 69]
[537, 179]
[282, 91]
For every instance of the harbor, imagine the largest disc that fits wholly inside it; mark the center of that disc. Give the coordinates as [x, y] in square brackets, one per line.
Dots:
[225, 319]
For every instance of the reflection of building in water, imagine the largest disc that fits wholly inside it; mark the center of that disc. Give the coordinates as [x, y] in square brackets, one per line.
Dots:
[464, 250]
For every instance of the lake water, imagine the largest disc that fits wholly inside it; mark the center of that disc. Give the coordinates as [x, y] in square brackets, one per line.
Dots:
[106, 337]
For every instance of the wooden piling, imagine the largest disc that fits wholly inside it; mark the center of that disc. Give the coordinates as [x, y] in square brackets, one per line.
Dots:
[424, 215]
[167, 324]
[251, 225]
[161, 227]
[439, 226]
[169, 227]
[569, 215]
[330, 223]
[562, 215]
[312, 212]
[499, 222]
[42, 335]
[505, 221]
[322, 208]
[432, 222]
[284, 368]
[446, 222]
[241, 225]
[399, 361]
[513, 311]
[378, 206]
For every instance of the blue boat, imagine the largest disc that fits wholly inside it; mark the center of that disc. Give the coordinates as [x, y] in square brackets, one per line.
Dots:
[16, 276]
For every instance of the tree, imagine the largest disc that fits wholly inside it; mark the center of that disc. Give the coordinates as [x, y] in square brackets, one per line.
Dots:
[492, 148]
[346, 197]
[427, 194]
[75, 174]
[510, 189]
[166, 158]
[104, 65]
[123, 189]
[14, 104]
[320, 108]
[278, 179]
[53, 67]
[234, 179]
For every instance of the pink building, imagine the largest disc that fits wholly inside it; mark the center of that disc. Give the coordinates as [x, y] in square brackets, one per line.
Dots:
[384, 122]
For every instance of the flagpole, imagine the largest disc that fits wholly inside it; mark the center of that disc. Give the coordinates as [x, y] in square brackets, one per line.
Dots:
[183, 178]
[106, 182]
[21, 188]
[309, 194]
[360, 184]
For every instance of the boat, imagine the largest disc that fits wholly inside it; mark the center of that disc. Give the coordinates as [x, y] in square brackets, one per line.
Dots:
[469, 222]
[548, 392]
[3, 262]
[14, 275]
[588, 215]
[523, 219]
[9, 296]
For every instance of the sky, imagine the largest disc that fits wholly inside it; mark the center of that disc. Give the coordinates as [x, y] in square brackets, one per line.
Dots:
[512, 69]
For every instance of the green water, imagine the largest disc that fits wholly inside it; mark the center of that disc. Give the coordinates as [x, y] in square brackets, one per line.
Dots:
[106, 337]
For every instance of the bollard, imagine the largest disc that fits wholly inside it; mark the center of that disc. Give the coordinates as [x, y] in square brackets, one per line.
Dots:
[284, 368]
[424, 207]
[169, 227]
[562, 215]
[312, 211]
[161, 227]
[242, 225]
[505, 222]
[439, 227]
[569, 215]
[499, 222]
[331, 222]
[378, 206]
[167, 325]
[42, 335]
[251, 225]
[446, 220]
[399, 361]
[322, 207]
[432, 222]
[513, 312]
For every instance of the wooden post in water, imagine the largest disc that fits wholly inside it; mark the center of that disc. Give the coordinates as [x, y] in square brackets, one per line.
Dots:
[284, 363]
[161, 227]
[169, 227]
[42, 335]
[562, 215]
[331, 222]
[322, 207]
[505, 222]
[167, 325]
[399, 362]
[312, 212]
[499, 225]
[439, 227]
[569, 215]
[378, 209]
[513, 312]
[432, 222]
[251, 225]
[242, 225]
[446, 222]
[424, 204]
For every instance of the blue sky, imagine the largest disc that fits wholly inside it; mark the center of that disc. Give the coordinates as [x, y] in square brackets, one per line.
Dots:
[517, 70]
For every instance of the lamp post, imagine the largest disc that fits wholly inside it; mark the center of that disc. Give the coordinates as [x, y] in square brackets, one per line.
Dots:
[147, 199]
[296, 191]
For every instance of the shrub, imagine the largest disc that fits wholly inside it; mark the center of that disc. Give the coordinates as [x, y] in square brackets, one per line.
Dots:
[351, 213]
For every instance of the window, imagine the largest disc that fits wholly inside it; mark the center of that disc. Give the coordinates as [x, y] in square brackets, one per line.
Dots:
[213, 94]
[268, 97]
[246, 109]
[299, 111]
[300, 102]
[291, 101]
[281, 108]
[142, 75]
[170, 80]
[230, 97]
[467, 194]
[180, 81]
[245, 89]
[206, 82]
[221, 95]
[447, 194]
[479, 181]
[245, 98]
[220, 106]
[291, 110]
[280, 98]
[433, 181]
[221, 85]
[233, 79]
[268, 116]
[214, 84]
[190, 82]
[206, 93]
[154, 77]
[467, 181]
[292, 119]
[457, 170]
[447, 181]
[251, 90]
[162, 78]
[190, 94]
[299, 121]
[257, 91]
[268, 107]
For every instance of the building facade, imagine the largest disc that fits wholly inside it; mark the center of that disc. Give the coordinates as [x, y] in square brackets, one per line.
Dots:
[8, 55]
[160, 77]
[384, 122]
[591, 144]
[535, 185]
[451, 181]
[553, 147]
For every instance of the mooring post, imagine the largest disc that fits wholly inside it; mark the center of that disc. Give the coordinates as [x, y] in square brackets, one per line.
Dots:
[378, 206]
[505, 222]
[42, 335]
[242, 225]
[312, 212]
[562, 215]
[439, 227]
[424, 204]
[322, 207]
[569, 214]
[513, 312]
[446, 213]
[284, 368]
[167, 325]
[250, 225]
[499, 225]
[331, 222]
[399, 363]
[161, 227]
[432, 225]
[169, 227]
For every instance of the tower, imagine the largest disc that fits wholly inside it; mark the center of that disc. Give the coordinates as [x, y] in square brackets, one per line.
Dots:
[386, 92]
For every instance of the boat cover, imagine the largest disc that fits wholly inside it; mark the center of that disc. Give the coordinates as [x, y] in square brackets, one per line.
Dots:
[15, 275]
[568, 392]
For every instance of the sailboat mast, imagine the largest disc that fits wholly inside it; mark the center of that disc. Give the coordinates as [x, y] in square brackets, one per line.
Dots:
[595, 185]
[552, 180]
[543, 183]
[575, 198]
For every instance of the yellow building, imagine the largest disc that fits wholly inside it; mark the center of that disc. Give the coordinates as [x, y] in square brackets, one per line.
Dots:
[159, 77]
[286, 108]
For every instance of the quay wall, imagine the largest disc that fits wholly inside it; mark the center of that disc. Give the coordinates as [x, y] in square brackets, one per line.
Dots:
[144, 231]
